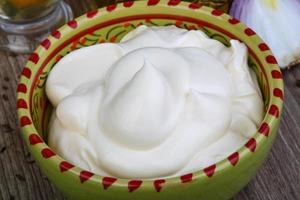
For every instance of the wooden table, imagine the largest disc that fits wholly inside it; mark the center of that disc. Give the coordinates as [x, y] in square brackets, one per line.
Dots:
[21, 178]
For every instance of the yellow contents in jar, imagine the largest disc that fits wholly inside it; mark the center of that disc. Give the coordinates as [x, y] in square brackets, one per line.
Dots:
[25, 3]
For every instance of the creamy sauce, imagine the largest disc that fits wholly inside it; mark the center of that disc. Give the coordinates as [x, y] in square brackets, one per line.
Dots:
[163, 102]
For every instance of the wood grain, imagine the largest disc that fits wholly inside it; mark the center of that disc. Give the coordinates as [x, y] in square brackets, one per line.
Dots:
[20, 177]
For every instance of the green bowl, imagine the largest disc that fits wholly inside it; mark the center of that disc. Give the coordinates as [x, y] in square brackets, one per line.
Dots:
[219, 181]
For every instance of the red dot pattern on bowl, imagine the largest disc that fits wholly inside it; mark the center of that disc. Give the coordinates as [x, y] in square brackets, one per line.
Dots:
[47, 153]
[91, 14]
[249, 32]
[274, 111]
[135, 184]
[234, 158]
[158, 184]
[56, 34]
[174, 2]
[22, 88]
[233, 21]
[276, 74]
[271, 59]
[26, 72]
[186, 178]
[264, 129]
[111, 7]
[152, 2]
[128, 4]
[85, 175]
[195, 5]
[217, 12]
[46, 43]
[72, 24]
[65, 166]
[263, 47]
[108, 181]
[251, 144]
[34, 58]
[35, 139]
[209, 171]
[24, 121]
[21, 103]
[277, 92]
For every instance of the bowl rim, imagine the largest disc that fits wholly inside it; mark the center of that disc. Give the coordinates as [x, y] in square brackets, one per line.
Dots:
[258, 139]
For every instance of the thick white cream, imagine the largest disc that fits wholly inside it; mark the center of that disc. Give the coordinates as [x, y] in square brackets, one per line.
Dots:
[163, 102]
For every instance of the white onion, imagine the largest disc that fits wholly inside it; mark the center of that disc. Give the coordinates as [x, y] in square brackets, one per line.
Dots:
[276, 22]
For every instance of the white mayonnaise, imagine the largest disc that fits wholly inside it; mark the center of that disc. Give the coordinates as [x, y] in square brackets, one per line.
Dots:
[163, 102]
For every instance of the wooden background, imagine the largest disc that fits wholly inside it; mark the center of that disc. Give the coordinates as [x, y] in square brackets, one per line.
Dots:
[20, 177]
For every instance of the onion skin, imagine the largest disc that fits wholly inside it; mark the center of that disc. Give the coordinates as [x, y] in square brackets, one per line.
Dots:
[276, 22]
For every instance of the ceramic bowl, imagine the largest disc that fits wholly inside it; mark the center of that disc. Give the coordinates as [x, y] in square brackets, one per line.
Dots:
[221, 180]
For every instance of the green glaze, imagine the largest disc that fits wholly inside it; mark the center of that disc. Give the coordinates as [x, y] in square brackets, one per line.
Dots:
[110, 25]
